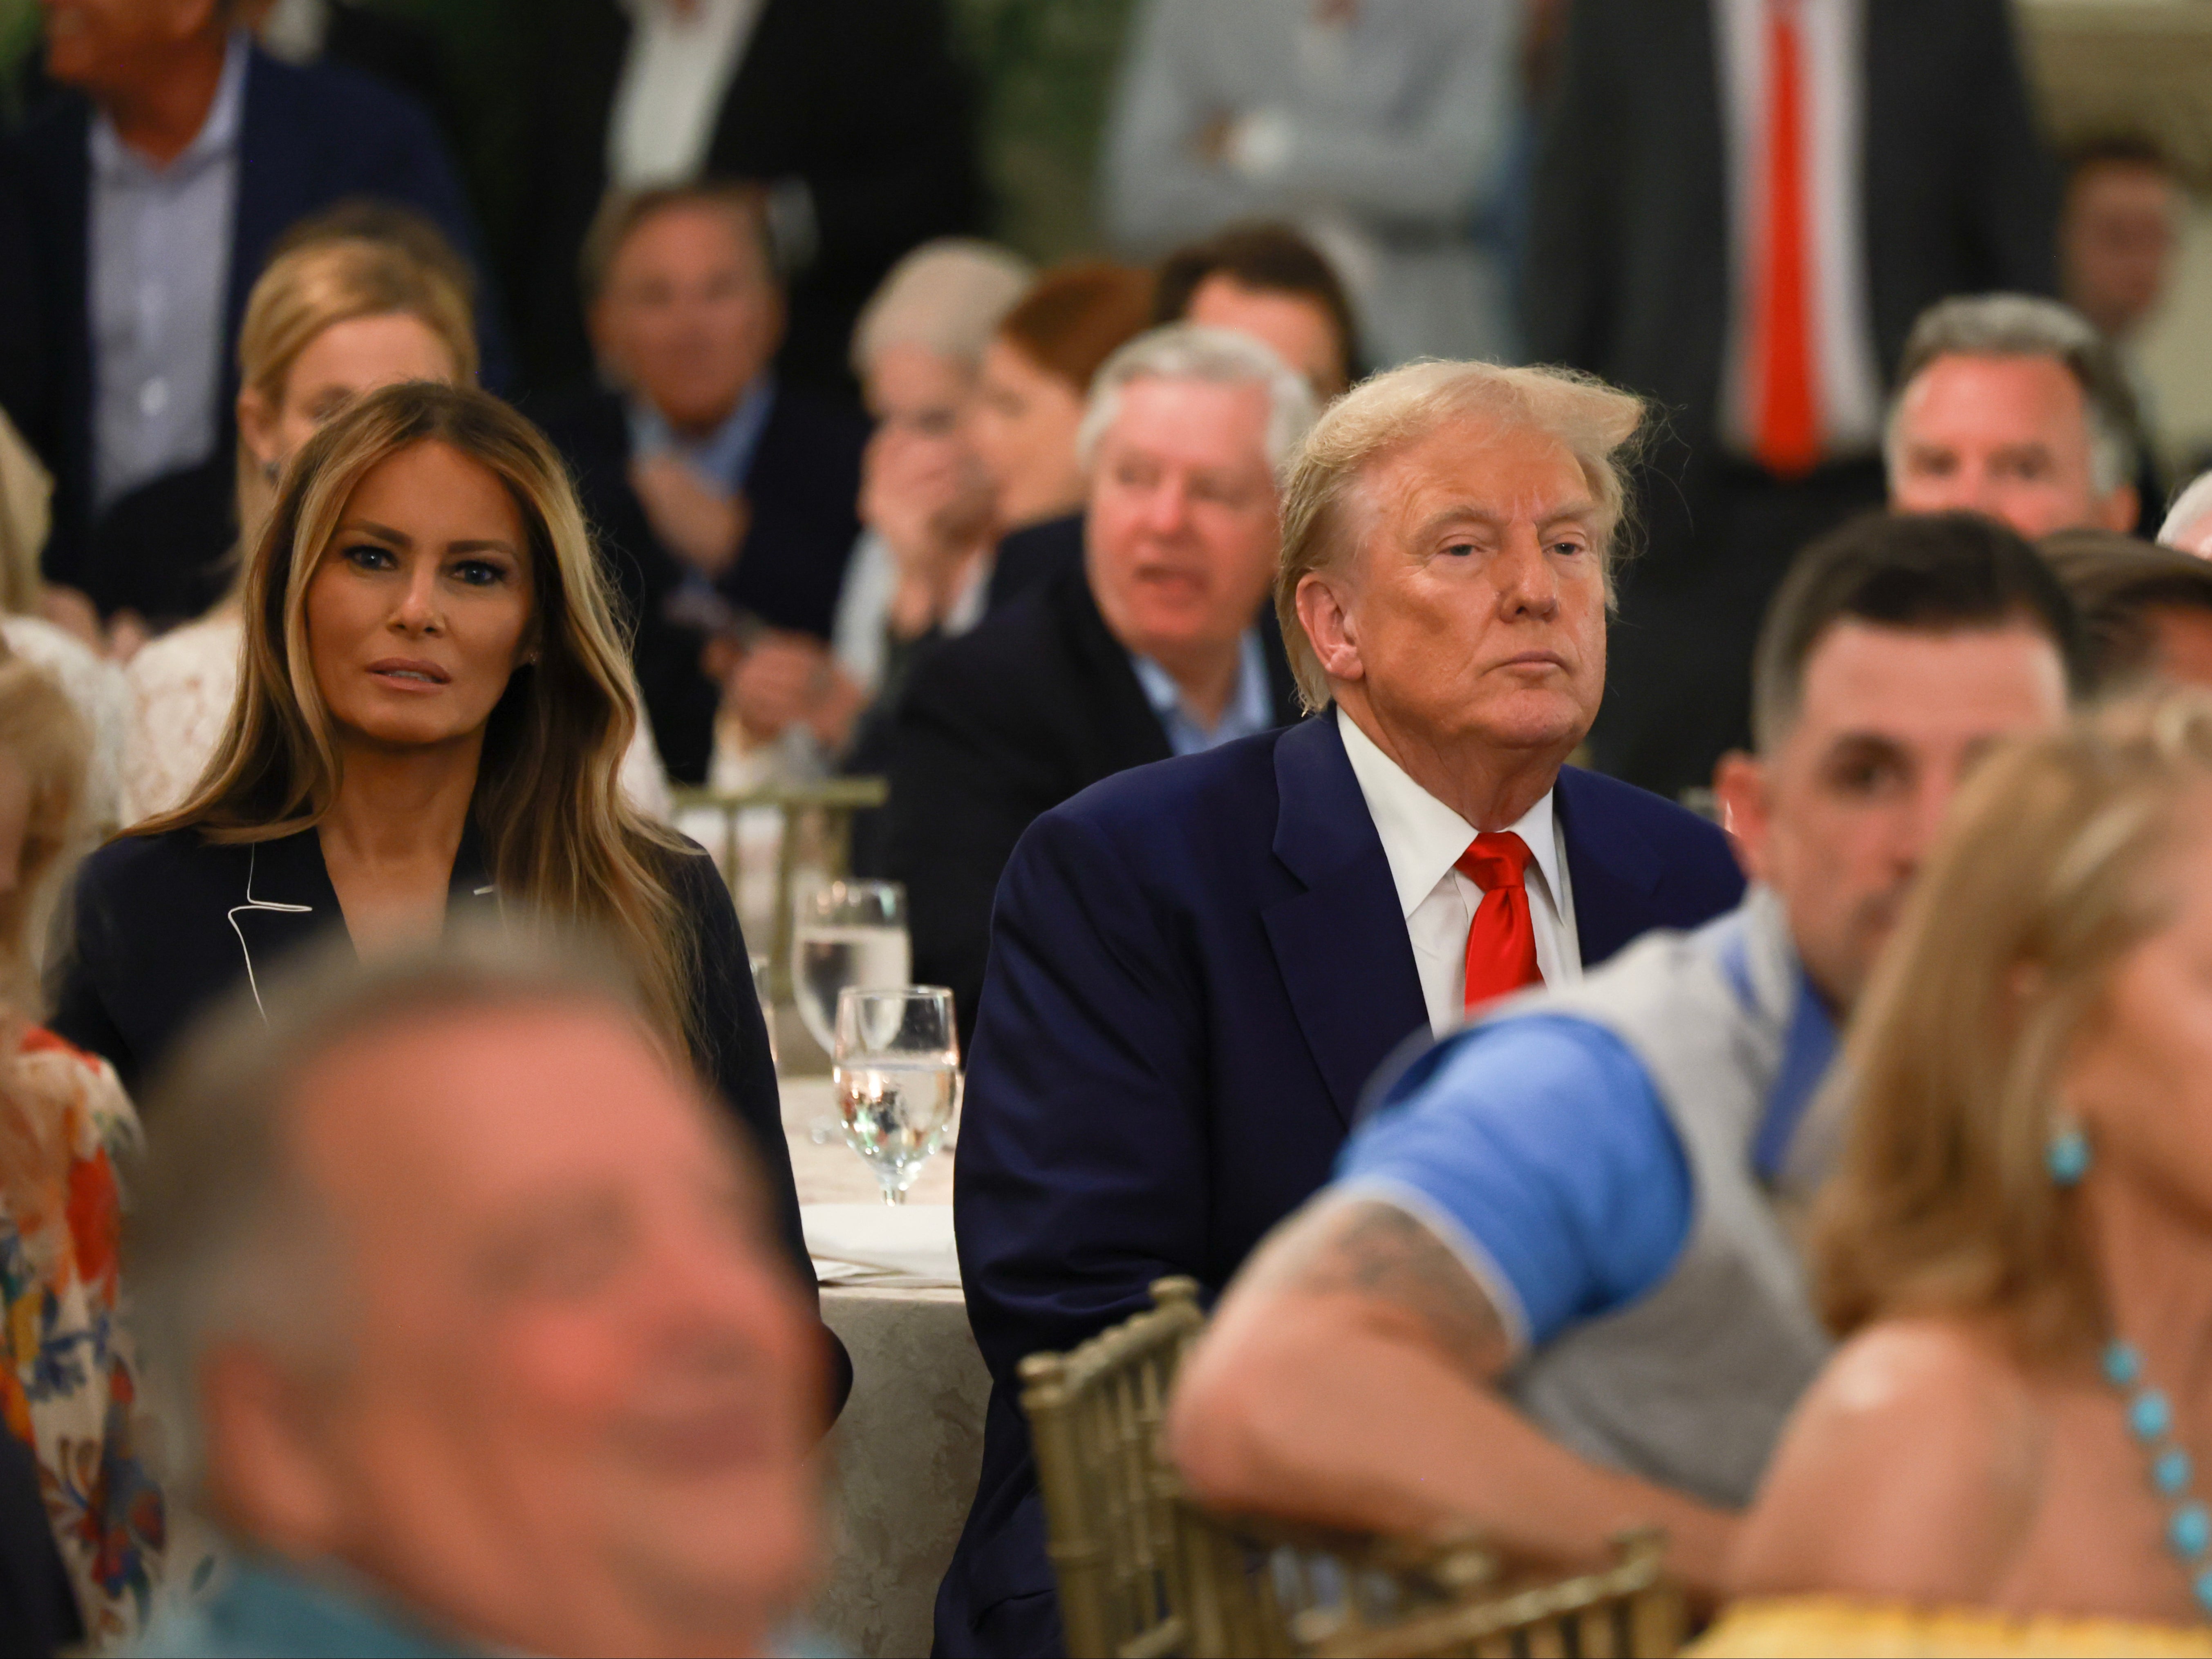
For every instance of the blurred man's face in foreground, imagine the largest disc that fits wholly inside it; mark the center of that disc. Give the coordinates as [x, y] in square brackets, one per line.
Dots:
[2004, 436]
[1838, 819]
[571, 1393]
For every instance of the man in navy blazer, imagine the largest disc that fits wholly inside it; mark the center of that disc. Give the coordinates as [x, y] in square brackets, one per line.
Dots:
[1197, 966]
[304, 139]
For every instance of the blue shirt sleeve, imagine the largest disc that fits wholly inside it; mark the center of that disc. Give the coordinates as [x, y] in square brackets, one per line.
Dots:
[1542, 1142]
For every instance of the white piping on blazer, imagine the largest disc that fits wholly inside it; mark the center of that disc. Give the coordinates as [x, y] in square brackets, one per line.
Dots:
[253, 903]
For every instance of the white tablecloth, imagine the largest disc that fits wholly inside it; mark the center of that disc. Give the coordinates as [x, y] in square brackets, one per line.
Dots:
[906, 1452]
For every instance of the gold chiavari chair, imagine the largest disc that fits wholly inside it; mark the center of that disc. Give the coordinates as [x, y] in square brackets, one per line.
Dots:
[1144, 1572]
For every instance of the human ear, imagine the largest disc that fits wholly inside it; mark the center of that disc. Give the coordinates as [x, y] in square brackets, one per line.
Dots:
[2119, 510]
[1741, 784]
[268, 1473]
[257, 426]
[1329, 627]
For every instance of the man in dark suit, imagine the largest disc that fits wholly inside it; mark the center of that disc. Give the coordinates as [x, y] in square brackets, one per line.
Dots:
[1700, 235]
[1196, 967]
[725, 498]
[1153, 645]
[851, 114]
[151, 196]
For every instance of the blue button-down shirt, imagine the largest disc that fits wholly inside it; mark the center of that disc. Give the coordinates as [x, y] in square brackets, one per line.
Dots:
[1250, 708]
[160, 248]
[723, 458]
[1542, 1138]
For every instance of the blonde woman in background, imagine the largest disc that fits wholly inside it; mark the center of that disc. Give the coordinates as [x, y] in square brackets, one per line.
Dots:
[2005, 1456]
[94, 683]
[332, 318]
[69, 1386]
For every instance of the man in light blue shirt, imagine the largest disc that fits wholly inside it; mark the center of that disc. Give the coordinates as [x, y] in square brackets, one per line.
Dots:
[1552, 1292]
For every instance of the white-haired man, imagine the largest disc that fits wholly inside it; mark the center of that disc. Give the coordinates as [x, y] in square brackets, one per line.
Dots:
[1160, 645]
[1196, 967]
[2015, 408]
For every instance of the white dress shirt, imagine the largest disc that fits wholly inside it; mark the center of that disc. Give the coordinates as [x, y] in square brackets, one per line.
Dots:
[1832, 51]
[1422, 839]
[678, 67]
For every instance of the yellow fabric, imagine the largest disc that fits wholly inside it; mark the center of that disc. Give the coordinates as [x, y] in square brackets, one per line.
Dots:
[1806, 1626]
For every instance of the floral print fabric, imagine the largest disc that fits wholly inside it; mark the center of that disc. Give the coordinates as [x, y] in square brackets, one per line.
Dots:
[70, 1388]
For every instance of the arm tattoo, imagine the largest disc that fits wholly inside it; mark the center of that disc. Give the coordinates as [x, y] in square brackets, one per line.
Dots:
[1382, 1256]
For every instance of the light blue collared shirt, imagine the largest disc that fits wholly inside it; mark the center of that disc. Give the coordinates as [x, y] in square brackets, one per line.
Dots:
[1251, 708]
[724, 458]
[160, 249]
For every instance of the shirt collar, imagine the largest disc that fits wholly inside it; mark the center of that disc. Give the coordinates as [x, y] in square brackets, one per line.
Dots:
[724, 458]
[217, 140]
[1423, 838]
[1248, 709]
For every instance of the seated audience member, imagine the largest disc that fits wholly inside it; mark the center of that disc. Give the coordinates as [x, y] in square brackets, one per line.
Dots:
[157, 187]
[2188, 524]
[335, 315]
[2015, 1245]
[1553, 1292]
[1029, 397]
[853, 118]
[2146, 611]
[921, 567]
[1155, 645]
[2119, 231]
[723, 498]
[446, 744]
[2016, 407]
[1268, 281]
[92, 682]
[472, 1362]
[1195, 968]
[69, 1374]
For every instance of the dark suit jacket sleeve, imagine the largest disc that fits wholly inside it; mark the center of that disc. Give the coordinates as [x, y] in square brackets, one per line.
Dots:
[1565, 302]
[731, 1039]
[2014, 203]
[1082, 1172]
[964, 788]
[81, 1013]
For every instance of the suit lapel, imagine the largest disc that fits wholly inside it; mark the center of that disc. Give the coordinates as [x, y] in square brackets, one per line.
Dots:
[1613, 883]
[1344, 955]
[285, 900]
[1128, 731]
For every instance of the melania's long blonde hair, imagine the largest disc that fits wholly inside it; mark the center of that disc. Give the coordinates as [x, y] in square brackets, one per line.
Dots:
[563, 843]
[2053, 867]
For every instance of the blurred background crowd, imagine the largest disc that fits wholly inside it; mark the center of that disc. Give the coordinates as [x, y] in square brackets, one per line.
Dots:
[935, 408]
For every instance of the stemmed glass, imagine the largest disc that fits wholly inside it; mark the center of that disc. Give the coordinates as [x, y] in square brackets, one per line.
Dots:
[895, 1064]
[845, 932]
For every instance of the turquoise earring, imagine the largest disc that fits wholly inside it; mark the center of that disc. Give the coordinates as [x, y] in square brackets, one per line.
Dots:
[2067, 1157]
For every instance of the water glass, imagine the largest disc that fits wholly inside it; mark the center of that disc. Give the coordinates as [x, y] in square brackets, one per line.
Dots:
[895, 1065]
[846, 934]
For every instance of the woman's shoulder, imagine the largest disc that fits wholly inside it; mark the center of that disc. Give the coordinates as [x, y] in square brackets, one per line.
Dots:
[1908, 1469]
[187, 654]
[158, 867]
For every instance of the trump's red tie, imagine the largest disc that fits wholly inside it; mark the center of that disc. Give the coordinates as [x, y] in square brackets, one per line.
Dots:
[1501, 942]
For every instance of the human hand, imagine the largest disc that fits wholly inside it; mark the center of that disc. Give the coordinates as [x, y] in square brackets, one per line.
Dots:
[925, 495]
[790, 679]
[699, 524]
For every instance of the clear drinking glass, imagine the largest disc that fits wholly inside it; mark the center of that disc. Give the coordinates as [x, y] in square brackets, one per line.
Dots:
[896, 1064]
[847, 933]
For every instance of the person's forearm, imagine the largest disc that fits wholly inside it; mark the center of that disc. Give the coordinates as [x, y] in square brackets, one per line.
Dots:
[1381, 1435]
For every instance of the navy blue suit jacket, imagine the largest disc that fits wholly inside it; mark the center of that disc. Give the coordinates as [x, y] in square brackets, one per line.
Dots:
[1195, 966]
[308, 138]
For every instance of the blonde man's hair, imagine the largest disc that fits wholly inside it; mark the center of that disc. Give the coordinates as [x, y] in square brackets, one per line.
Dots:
[2054, 867]
[312, 288]
[561, 838]
[1386, 413]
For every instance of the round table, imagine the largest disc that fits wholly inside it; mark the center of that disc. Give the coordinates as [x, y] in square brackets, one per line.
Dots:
[906, 1449]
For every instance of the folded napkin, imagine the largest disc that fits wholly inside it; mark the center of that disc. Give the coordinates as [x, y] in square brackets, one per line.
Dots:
[912, 1242]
